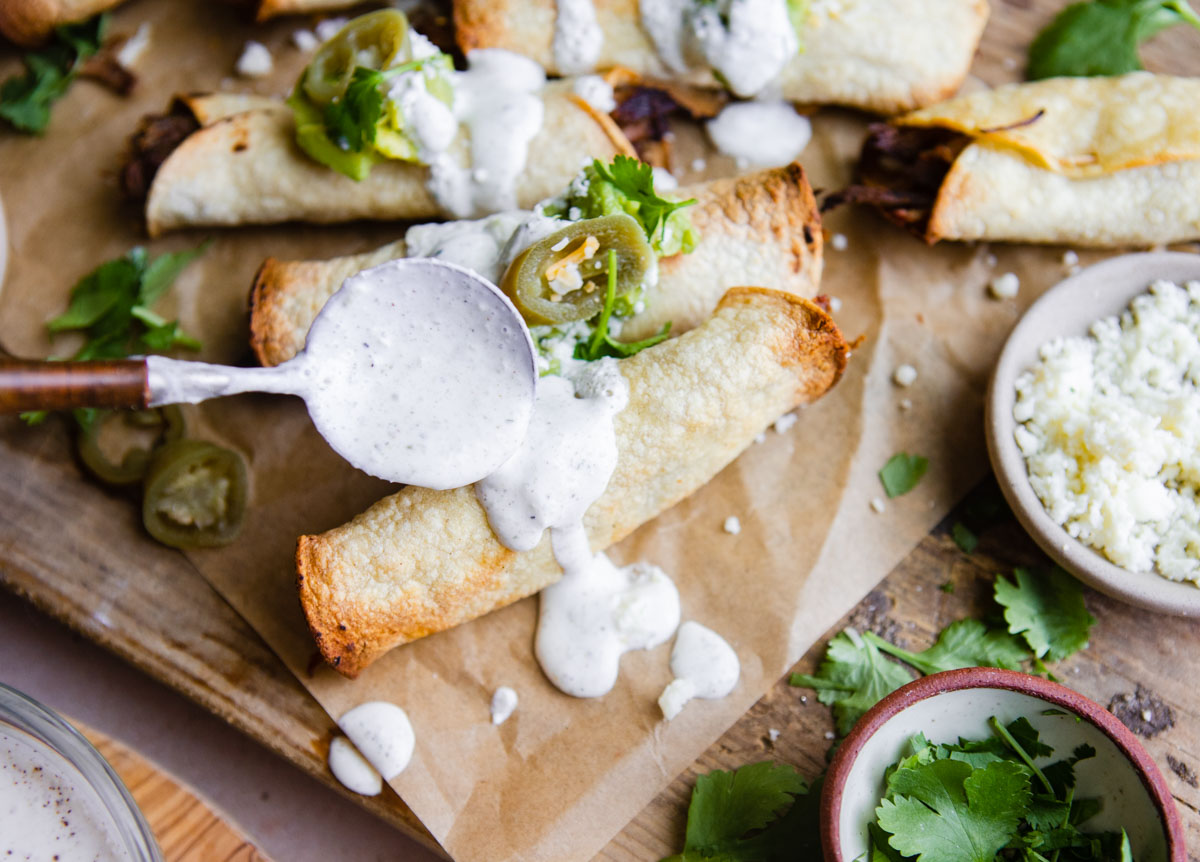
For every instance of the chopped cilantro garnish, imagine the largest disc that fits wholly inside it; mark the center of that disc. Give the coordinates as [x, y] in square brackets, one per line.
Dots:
[964, 537]
[352, 120]
[1047, 608]
[902, 472]
[26, 100]
[1101, 37]
[600, 343]
[635, 180]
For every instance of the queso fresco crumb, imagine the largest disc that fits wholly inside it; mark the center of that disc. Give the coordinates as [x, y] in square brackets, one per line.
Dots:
[1110, 431]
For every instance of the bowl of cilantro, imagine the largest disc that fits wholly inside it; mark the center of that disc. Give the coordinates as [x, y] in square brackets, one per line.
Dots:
[988, 764]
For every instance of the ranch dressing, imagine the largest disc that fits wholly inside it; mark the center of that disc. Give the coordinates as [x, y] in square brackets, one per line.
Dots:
[577, 37]
[763, 133]
[47, 810]
[704, 665]
[497, 100]
[383, 735]
[596, 611]
[352, 769]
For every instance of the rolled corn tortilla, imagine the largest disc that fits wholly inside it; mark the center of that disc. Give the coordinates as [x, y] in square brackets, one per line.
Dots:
[422, 561]
[885, 56]
[273, 8]
[762, 228]
[1087, 161]
[242, 166]
[29, 22]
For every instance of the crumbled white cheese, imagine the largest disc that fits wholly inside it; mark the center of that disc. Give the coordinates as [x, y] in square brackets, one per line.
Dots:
[772, 734]
[877, 505]
[785, 422]
[1004, 286]
[762, 133]
[664, 179]
[1070, 259]
[675, 696]
[760, 437]
[838, 242]
[1110, 431]
[829, 734]
[699, 165]
[990, 260]
[135, 46]
[904, 375]
[835, 304]
[504, 701]
[906, 404]
[732, 525]
[330, 27]
[597, 92]
[256, 60]
[305, 40]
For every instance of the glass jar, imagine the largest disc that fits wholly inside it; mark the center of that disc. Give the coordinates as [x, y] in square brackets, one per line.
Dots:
[61, 799]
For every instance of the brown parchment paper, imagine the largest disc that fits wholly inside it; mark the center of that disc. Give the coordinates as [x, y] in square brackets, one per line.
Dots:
[562, 776]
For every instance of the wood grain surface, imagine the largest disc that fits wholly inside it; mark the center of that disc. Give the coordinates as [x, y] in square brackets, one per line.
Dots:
[60, 548]
[187, 828]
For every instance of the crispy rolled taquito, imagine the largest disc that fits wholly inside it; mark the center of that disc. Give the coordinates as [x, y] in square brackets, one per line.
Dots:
[880, 55]
[422, 561]
[272, 8]
[1085, 161]
[762, 227]
[28, 22]
[240, 165]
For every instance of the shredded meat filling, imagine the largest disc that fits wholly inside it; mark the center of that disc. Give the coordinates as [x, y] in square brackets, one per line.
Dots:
[154, 141]
[644, 112]
[900, 172]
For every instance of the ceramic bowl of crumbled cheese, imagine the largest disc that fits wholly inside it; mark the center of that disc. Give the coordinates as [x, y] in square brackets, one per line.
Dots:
[1094, 427]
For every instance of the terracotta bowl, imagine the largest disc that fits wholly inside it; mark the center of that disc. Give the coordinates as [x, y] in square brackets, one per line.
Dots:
[1069, 309]
[957, 703]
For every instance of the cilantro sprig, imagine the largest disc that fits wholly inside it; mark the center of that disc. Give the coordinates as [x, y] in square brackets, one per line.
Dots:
[26, 99]
[352, 119]
[902, 472]
[601, 343]
[1045, 619]
[979, 800]
[1101, 37]
[111, 307]
[635, 180]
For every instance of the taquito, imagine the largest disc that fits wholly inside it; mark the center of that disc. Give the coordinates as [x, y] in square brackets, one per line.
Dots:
[885, 56]
[28, 22]
[422, 561]
[762, 228]
[1083, 161]
[242, 166]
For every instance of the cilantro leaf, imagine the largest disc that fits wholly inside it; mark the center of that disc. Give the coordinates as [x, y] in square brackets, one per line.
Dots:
[26, 100]
[352, 119]
[601, 343]
[963, 536]
[1101, 37]
[635, 180]
[727, 805]
[160, 273]
[1047, 608]
[853, 677]
[902, 472]
[965, 643]
[946, 811]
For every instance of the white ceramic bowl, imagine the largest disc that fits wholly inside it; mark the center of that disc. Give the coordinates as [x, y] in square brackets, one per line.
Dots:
[1069, 309]
[945, 706]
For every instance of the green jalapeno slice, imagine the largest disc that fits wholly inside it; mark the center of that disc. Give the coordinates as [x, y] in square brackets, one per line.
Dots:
[165, 424]
[195, 495]
[374, 40]
[563, 277]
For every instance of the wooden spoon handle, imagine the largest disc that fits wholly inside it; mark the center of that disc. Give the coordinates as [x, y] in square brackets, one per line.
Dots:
[28, 385]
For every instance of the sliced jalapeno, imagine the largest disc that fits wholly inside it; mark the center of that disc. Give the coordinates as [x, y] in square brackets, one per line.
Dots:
[375, 40]
[195, 495]
[164, 423]
[563, 277]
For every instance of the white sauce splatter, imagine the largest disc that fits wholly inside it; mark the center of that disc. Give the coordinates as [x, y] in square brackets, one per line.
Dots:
[732, 525]
[597, 92]
[383, 735]
[704, 665]
[255, 61]
[577, 37]
[762, 133]
[135, 46]
[352, 769]
[504, 702]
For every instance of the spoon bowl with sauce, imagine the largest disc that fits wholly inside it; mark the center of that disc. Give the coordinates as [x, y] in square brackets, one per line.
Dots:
[415, 371]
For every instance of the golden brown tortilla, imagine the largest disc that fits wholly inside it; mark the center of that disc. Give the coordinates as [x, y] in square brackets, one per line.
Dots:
[422, 561]
[245, 168]
[762, 227]
[886, 56]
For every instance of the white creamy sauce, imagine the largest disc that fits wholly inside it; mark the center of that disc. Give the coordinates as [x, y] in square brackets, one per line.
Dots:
[577, 37]
[352, 769]
[597, 92]
[383, 735]
[704, 665]
[414, 371]
[504, 703]
[497, 101]
[47, 810]
[768, 133]
[475, 244]
[749, 52]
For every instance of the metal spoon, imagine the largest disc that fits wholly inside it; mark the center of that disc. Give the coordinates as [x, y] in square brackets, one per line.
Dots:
[416, 371]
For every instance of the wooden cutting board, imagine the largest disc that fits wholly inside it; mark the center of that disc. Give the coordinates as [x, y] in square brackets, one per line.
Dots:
[60, 547]
[187, 829]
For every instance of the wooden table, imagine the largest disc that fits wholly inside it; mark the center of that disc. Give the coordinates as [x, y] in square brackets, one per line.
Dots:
[171, 624]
